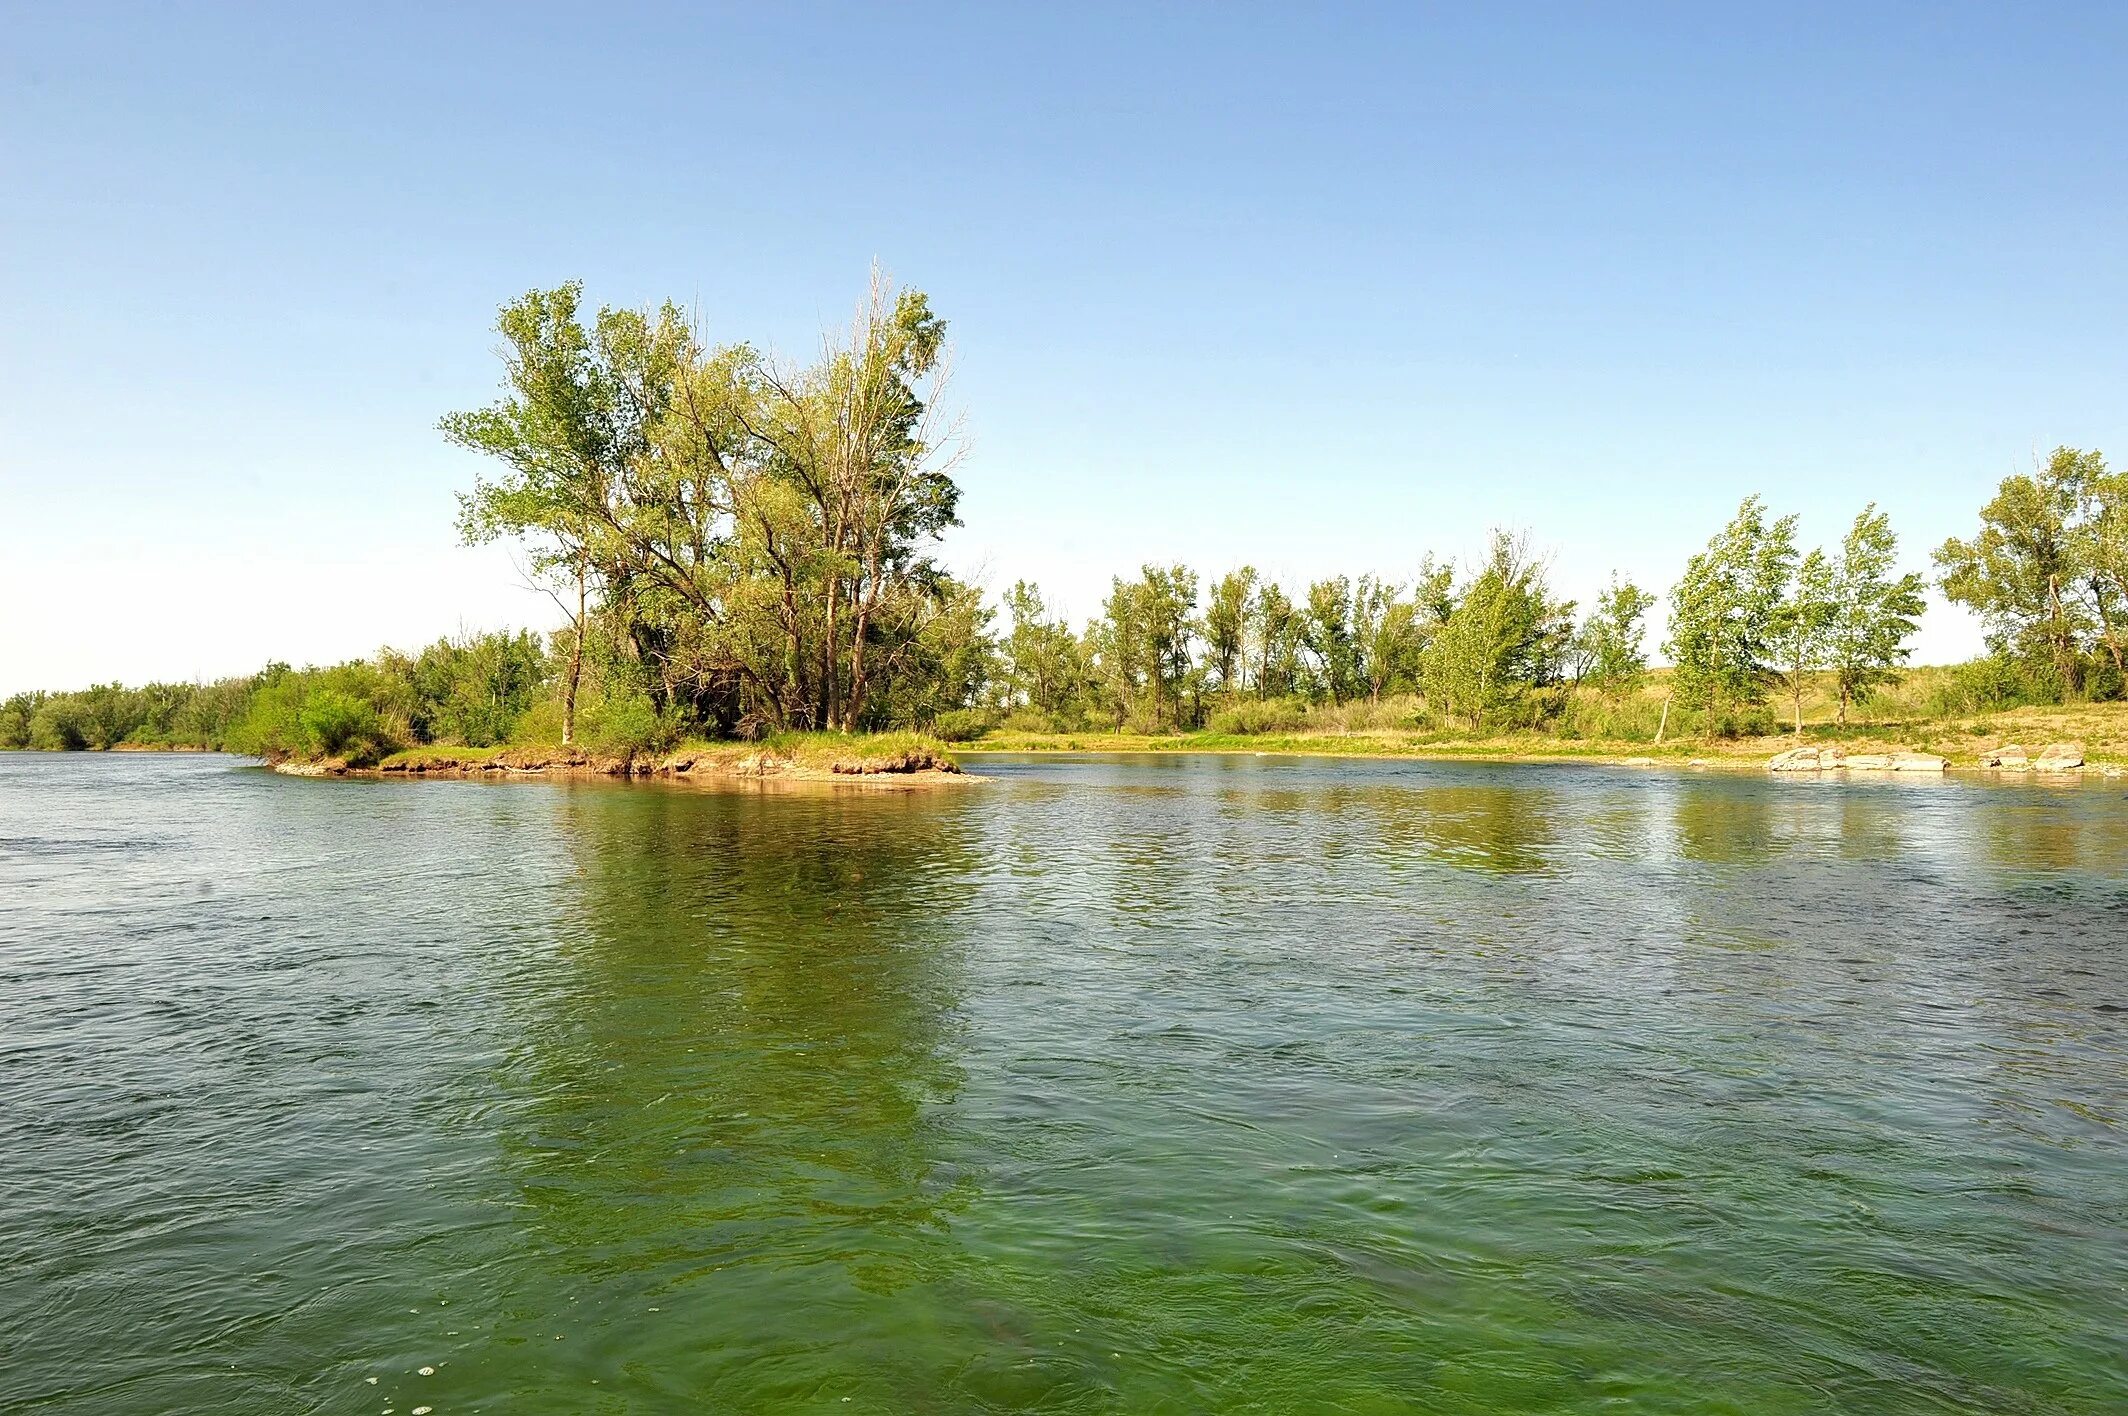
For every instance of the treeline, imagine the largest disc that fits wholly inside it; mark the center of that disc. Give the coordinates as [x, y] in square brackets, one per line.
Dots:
[743, 545]
[477, 690]
[1480, 647]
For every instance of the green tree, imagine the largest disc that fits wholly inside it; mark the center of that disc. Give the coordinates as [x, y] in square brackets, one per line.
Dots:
[1874, 611]
[2021, 572]
[568, 430]
[2100, 548]
[1042, 662]
[755, 534]
[1725, 609]
[16, 714]
[1275, 632]
[1327, 634]
[1608, 649]
[1227, 613]
[1143, 642]
[1800, 638]
[1504, 635]
[1385, 636]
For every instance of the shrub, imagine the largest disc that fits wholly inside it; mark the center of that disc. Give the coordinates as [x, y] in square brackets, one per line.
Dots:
[1988, 684]
[961, 725]
[334, 723]
[1246, 717]
[15, 716]
[59, 727]
[627, 725]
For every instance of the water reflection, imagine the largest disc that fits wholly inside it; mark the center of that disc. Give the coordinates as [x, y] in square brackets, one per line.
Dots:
[740, 1063]
[1123, 1086]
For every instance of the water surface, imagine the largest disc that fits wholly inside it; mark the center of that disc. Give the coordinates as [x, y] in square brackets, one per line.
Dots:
[1114, 1085]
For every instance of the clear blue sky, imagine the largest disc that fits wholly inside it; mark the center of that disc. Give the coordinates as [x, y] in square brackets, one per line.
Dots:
[1316, 287]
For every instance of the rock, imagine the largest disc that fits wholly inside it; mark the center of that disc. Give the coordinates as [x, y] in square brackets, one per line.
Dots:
[1628, 762]
[1917, 762]
[1870, 762]
[2010, 757]
[2060, 757]
[1798, 759]
[1699, 762]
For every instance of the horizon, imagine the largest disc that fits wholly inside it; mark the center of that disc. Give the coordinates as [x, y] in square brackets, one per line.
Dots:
[1225, 287]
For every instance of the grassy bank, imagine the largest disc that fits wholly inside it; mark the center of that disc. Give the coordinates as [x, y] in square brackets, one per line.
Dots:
[2100, 729]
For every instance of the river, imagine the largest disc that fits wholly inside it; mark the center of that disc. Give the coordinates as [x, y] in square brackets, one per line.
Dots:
[1110, 1085]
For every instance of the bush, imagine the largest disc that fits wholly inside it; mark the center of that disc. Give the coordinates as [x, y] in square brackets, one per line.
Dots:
[1757, 721]
[354, 711]
[961, 725]
[1989, 684]
[474, 689]
[59, 726]
[333, 723]
[1247, 717]
[626, 726]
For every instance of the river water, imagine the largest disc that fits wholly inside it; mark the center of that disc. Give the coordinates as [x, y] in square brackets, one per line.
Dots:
[1112, 1085]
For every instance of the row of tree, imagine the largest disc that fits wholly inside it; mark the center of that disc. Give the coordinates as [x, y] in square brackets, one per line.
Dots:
[1485, 643]
[476, 689]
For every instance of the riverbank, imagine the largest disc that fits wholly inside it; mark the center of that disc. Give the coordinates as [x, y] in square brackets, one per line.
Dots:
[905, 760]
[2098, 733]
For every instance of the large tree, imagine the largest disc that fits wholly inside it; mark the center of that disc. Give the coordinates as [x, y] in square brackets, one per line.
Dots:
[1143, 643]
[2021, 573]
[1504, 635]
[1608, 648]
[1043, 665]
[1725, 609]
[1227, 612]
[1874, 610]
[1800, 638]
[568, 428]
[756, 532]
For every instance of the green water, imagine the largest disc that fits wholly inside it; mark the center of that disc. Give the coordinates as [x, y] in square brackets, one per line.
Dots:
[1212, 1084]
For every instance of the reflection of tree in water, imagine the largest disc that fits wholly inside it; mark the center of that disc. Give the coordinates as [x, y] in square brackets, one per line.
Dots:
[2052, 827]
[730, 1081]
[1737, 823]
[1500, 829]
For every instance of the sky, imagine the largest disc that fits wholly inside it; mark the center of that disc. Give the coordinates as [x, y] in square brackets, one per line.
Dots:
[1318, 288]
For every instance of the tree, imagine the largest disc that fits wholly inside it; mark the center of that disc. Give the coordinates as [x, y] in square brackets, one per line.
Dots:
[1504, 634]
[2020, 573]
[2100, 545]
[1874, 613]
[1327, 633]
[1043, 666]
[1143, 641]
[1385, 637]
[756, 533]
[1276, 633]
[567, 430]
[1724, 611]
[1800, 635]
[1227, 613]
[1608, 648]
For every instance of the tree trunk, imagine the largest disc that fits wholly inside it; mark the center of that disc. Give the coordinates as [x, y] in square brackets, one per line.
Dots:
[2105, 620]
[576, 664]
